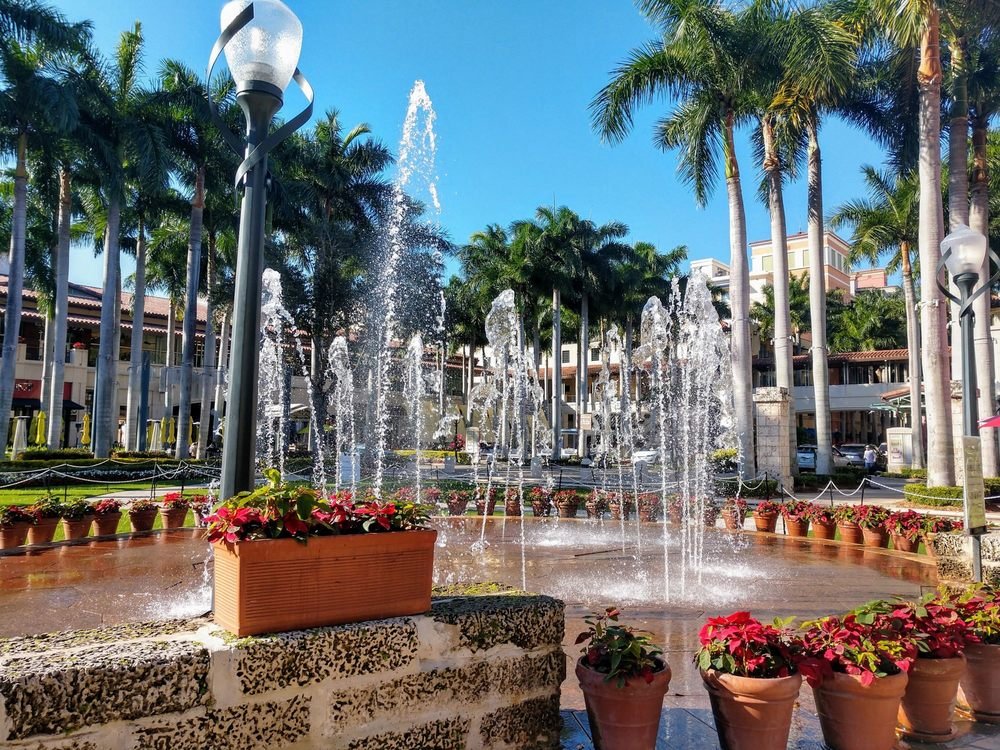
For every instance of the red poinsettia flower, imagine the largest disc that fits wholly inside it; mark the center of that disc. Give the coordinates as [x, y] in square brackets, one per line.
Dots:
[377, 513]
[295, 525]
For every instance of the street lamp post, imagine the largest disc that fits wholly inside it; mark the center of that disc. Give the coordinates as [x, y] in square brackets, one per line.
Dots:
[963, 253]
[262, 40]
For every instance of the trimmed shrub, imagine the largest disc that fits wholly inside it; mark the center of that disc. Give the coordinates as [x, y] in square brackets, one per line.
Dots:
[921, 494]
[44, 454]
[141, 454]
[754, 489]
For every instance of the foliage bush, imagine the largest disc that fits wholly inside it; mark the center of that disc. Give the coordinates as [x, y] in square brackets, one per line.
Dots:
[756, 489]
[141, 454]
[921, 494]
[723, 461]
[44, 454]
[464, 459]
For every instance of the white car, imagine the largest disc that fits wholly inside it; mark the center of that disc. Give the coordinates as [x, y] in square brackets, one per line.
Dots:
[646, 456]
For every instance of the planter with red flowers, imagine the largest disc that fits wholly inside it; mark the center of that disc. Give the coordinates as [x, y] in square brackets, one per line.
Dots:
[624, 678]
[48, 511]
[541, 501]
[77, 518]
[765, 515]
[173, 510]
[979, 689]
[872, 520]
[649, 506]
[107, 514]
[458, 502]
[905, 528]
[750, 672]
[287, 559]
[15, 520]
[857, 667]
[734, 513]
[847, 524]
[142, 515]
[486, 503]
[567, 502]
[940, 634]
[797, 514]
[824, 522]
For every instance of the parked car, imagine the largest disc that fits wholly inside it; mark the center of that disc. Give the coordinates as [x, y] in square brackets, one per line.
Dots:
[648, 456]
[807, 458]
[855, 453]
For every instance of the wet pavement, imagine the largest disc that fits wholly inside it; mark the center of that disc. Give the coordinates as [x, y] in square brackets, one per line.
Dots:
[589, 566]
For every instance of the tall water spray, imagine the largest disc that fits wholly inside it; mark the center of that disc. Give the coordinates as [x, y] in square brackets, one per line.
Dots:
[415, 173]
[342, 402]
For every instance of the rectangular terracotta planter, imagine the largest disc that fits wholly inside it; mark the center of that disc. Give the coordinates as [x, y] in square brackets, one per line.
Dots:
[272, 585]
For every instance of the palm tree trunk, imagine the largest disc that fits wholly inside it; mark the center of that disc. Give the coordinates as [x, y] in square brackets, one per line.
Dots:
[581, 373]
[934, 349]
[779, 245]
[61, 310]
[958, 175]
[625, 373]
[168, 391]
[104, 421]
[208, 357]
[817, 302]
[556, 374]
[979, 219]
[183, 449]
[913, 354]
[47, 350]
[739, 293]
[471, 381]
[15, 288]
[134, 399]
[222, 367]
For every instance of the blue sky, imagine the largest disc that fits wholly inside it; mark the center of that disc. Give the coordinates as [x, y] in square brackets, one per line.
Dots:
[510, 82]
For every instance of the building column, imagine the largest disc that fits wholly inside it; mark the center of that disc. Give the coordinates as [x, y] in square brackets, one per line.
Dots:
[773, 427]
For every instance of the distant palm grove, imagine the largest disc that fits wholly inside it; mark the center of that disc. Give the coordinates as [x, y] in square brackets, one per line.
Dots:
[111, 149]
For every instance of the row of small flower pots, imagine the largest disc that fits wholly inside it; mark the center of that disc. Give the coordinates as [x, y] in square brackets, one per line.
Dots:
[36, 524]
[872, 525]
[885, 668]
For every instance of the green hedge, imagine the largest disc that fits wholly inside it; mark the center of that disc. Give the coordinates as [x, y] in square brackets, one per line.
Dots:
[756, 489]
[158, 455]
[464, 459]
[921, 494]
[44, 454]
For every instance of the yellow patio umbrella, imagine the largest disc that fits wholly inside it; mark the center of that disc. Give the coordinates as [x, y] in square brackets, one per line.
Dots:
[149, 432]
[164, 434]
[190, 434]
[41, 433]
[171, 431]
[85, 432]
[33, 428]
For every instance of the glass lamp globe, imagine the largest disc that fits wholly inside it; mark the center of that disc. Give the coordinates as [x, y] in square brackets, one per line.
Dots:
[266, 49]
[968, 251]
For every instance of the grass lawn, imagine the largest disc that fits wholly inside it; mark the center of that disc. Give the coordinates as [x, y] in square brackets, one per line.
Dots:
[28, 495]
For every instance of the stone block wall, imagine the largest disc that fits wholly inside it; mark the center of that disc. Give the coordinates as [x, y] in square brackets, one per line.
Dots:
[475, 672]
[954, 557]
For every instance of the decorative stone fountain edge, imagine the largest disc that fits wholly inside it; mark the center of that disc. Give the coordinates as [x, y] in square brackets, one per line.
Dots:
[954, 557]
[474, 672]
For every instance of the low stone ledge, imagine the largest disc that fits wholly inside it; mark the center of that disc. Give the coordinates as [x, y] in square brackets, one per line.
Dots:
[475, 672]
[954, 558]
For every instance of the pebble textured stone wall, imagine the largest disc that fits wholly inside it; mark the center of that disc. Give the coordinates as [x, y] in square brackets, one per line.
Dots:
[954, 557]
[476, 672]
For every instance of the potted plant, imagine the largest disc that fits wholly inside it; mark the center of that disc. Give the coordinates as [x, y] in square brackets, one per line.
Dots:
[734, 513]
[857, 668]
[15, 520]
[173, 510]
[979, 688]
[847, 524]
[649, 505]
[142, 515]
[512, 502]
[765, 516]
[675, 510]
[824, 522]
[458, 502]
[283, 553]
[872, 519]
[932, 525]
[749, 670]
[596, 504]
[77, 517]
[48, 511]
[621, 506]
[541, 501]
[201, 505]
[624, 677]
[484, 505]
[107, 514]
[904, 529]
[797, 515]
[566, 502]
[940, 635]
[710, 515]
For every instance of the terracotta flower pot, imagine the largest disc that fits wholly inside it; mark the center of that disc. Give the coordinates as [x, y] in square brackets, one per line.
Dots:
[752, 713]
[797, 527]
[675, 514]
[901, 544]
[567, 510]
[733, 519]
[173, 518]
[540, 508]
[335, 580]
[648, 512]
[627, 717]
[711, 516]
[765, 522]
[512, 507]
[875, 537]
[14, 535]
[483, 508]
[929, 702]
[617, 509]
[824, 530]
[858, 717]
[979, 690]
[106, 524]
[43, 531]
[76, 529]
[850, 533]
[142, 520]
[929, 538]
[457, 507]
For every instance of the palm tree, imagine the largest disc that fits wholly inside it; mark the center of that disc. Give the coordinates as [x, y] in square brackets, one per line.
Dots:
[886, 223]
[129, 141]
[699, 60]
[764, 314]
[918, 22]
[872, 322]
[35, 103]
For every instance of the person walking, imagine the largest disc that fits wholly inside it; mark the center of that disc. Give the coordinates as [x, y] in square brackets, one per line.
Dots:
[871, 458]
